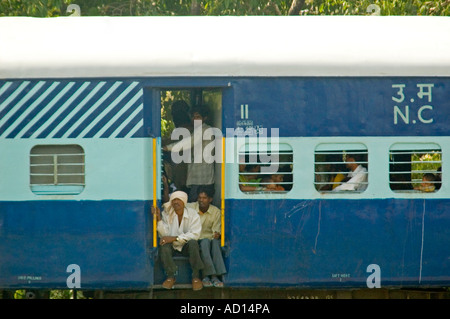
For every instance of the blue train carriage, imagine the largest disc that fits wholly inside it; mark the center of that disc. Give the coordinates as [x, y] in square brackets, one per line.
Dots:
[80, 137]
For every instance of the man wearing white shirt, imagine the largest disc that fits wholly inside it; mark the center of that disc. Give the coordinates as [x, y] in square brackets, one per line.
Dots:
[200, 144]
[179, 228]
[357, 178]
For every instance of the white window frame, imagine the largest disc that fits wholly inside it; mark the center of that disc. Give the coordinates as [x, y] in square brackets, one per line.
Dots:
[57, 169]
[334, 154]
[257, 154]
[423, 152]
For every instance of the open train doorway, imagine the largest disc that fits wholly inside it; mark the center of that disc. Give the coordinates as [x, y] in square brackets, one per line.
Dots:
[178, 107]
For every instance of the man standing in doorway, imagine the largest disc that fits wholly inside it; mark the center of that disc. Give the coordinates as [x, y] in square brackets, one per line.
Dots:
[200, 169]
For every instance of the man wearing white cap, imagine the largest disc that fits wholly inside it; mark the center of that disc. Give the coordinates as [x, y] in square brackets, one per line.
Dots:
[179, 228]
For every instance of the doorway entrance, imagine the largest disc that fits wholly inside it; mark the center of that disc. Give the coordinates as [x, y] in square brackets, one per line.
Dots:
[177, 106]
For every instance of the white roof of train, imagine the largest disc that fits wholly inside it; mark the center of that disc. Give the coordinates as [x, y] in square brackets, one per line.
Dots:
[69, 47]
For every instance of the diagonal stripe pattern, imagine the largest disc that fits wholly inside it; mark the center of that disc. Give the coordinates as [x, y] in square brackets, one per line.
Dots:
[71, 109]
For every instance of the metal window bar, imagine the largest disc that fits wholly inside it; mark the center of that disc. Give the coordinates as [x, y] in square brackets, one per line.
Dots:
[413, 172]
[265, 173]
[252, 154]
[424, 152]
[54, 167]
[343, 154]
[266, 163]
[412, 177]
[416, 162]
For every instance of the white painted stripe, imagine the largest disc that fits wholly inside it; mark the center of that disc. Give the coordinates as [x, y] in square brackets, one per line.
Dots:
[60, 110]
[109, 108]
[5, 87]
[125, 123]
[78, 107]
[92, 109]
[25, 99]
[45, 109]
[31, 108]
[10, 98]
[119, 114]
[14, 95]
[135, 128]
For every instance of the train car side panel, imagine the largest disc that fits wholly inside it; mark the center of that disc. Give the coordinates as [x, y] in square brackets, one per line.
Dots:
[108, 240]
[324, 243]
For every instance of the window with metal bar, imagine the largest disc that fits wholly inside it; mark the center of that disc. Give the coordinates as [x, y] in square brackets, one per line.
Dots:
[415, 167]
[265, 169]
[57, 169]
[341, 168]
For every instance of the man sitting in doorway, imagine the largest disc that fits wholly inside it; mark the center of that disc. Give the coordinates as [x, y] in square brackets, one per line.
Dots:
[209, 239]
[179, 228]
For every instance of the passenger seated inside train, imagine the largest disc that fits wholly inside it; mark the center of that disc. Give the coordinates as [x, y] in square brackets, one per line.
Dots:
[284, 177]
[330, 172]
[179, 228]
[209, 240]
[249, 179]
[270, 183]
[428, 183]
[278, 178]
[338, 177]
[357, 178]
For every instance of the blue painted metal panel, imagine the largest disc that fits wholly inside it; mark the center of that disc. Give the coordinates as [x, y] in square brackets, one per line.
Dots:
[109, 240]
[342, 106]
[304, 106]
[271, 242]
[319, 243]
[326, 243]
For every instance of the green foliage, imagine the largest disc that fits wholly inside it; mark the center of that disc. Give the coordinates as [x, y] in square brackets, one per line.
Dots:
[51, 8]
[19, 294]
[31, 8]
[53, 294]
[391, 7]
[424, 163]
[167, 98]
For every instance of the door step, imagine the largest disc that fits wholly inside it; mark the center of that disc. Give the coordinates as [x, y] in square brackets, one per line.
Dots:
[176, 286]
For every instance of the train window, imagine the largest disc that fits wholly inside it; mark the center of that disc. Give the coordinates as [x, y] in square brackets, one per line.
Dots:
[341, 168]
[263, 169]
[415, 167]
[57, 169]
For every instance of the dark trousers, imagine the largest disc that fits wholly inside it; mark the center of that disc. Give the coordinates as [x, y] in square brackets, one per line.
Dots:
[190, 249]
[212, 257]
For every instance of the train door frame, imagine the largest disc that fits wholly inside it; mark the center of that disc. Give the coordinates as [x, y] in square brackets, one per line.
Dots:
[152, 96]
